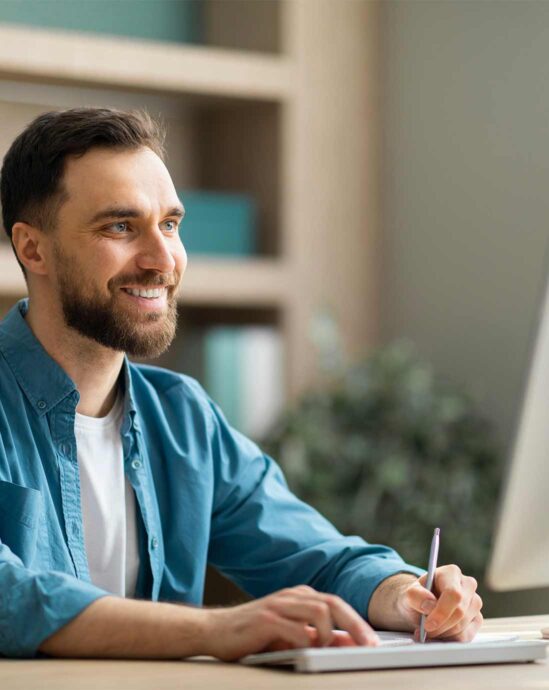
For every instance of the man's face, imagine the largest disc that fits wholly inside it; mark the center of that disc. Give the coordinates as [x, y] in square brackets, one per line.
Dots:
[116, 236]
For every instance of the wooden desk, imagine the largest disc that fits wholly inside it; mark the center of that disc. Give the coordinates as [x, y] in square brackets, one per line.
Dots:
[56, 674]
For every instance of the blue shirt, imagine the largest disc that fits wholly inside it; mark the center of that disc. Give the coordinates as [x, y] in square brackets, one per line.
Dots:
[206, 494]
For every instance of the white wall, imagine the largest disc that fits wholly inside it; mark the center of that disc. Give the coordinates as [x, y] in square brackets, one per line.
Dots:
[466, 194]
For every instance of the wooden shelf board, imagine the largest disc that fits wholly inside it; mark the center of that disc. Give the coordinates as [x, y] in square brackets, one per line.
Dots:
[12, 283]
[257, 282]
[238, 282]
[80, 59]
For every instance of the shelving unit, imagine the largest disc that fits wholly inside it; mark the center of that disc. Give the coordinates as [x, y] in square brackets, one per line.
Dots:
[62, 57]
[250, 283]
[281, 104]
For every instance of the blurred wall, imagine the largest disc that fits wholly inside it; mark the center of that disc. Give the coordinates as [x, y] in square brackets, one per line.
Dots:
[465, 186]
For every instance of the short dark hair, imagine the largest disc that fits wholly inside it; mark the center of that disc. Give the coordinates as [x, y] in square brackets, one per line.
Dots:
[31, 188]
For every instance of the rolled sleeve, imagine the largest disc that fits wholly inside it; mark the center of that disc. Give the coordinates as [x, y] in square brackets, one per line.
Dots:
[264, 538]
[365, 567]
[35, 605]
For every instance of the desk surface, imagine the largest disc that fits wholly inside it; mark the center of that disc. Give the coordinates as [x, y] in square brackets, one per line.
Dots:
[53, 674]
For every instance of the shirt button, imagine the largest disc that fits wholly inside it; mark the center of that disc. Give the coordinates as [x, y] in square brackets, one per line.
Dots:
[41, 404]
[75, 529]
[154, 543]
[136, 464]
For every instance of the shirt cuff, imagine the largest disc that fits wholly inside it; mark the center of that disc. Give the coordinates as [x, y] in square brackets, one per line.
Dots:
[44, 603]
[361, 579]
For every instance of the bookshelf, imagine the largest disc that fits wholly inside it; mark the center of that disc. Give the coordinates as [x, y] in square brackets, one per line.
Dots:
[242, 283]
[63, 57]
[281, 103]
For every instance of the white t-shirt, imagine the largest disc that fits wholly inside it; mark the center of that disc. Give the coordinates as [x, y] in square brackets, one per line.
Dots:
[108, 502]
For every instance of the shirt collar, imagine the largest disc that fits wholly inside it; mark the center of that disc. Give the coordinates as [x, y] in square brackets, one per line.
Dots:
[43, 381]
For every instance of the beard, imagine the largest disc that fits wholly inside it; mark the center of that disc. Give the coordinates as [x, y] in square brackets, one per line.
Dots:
[104, 320]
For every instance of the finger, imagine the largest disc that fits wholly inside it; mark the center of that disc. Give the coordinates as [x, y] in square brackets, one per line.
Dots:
[287, 634]
[457, 605]
[340, 638]
[467, 632]
[453, 602]
[307, 610]
[343, 615]
[474, 608]
[461, 613]
[463, 633]
[458, 631]
[348, 619]
[419, 599]
[306, 589]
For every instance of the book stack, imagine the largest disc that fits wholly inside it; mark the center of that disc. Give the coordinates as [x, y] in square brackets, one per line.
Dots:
[218, 223]
[241, 369]
[159, 20]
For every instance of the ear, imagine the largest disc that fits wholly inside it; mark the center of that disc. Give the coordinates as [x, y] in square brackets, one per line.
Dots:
[29, 243]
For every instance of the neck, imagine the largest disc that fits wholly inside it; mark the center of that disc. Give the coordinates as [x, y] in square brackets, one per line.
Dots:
[95, 369]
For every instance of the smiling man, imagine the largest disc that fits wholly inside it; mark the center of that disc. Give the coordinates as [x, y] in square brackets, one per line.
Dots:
[120, 482]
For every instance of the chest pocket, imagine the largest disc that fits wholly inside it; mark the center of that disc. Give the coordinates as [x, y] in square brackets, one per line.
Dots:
[20, 509]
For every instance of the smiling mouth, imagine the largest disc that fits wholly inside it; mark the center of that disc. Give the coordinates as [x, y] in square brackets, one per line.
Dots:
[148, 293]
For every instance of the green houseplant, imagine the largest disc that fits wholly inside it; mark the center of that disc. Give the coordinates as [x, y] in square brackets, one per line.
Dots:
[387, 451]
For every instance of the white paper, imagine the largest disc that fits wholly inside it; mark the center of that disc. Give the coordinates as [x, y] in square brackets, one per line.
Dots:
[389, 638]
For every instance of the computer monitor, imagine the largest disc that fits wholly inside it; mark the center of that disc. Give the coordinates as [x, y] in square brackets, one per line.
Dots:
[520, 555]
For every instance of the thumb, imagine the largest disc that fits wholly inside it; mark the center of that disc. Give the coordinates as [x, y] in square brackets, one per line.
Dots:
[420, 599]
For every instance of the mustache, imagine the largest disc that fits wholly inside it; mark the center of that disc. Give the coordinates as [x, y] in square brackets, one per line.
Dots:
[147, 280]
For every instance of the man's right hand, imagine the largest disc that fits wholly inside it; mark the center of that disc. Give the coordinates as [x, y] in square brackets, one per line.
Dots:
[291, 618]
[117, 628]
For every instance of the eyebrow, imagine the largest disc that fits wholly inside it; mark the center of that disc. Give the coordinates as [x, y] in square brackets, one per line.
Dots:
[123, 212]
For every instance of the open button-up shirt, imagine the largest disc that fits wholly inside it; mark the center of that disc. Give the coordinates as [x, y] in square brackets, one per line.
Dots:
[205, 494]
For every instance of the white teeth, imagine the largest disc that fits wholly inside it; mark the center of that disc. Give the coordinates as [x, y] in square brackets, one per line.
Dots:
[150, 294]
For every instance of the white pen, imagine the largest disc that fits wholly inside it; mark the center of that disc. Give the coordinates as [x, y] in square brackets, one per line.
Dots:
[433, 556]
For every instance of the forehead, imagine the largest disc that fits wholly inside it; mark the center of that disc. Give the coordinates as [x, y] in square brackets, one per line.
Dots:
[103, 177]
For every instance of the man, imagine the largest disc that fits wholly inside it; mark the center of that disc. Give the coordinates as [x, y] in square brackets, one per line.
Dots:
[119, 482]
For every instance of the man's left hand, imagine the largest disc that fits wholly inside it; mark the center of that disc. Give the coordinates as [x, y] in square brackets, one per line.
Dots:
[452, 608]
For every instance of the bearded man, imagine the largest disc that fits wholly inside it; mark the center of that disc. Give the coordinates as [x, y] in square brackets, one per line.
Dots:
[119, 482]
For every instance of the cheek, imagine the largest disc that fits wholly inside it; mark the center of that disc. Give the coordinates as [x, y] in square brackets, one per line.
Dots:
[107, 265]
[180, 257]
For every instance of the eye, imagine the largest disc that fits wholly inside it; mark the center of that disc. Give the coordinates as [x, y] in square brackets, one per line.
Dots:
[121, 226]
[171, 225]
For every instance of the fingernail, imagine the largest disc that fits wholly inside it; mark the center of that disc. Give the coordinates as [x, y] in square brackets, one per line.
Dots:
[428, 606]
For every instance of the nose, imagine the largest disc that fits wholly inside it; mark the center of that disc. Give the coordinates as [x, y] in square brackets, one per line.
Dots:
[155, 252]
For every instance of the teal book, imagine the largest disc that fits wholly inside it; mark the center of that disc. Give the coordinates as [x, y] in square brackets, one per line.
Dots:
[244, 374]
[222, 370]
[218, 223]
[261, 380]
[179, 21]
